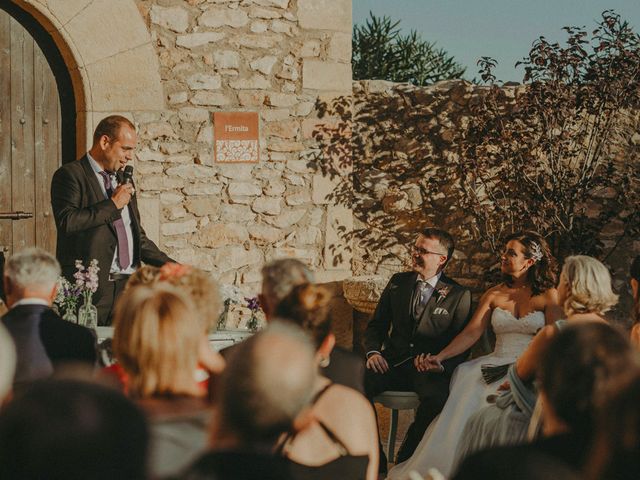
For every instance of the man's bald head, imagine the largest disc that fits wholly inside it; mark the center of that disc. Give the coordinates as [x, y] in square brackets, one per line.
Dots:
[269, 380]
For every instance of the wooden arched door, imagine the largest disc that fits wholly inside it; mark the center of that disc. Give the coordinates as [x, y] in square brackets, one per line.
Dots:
[30, 140]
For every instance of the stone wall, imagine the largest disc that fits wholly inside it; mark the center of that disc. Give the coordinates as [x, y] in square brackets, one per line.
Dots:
[275, 57]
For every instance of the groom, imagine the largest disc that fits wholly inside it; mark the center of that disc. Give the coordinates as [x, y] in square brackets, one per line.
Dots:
[419, 312]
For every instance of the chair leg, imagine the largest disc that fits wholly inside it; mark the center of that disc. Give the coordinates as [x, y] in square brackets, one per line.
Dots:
[393, 430]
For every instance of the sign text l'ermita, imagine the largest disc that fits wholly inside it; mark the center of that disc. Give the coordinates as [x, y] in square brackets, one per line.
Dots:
[236, 137]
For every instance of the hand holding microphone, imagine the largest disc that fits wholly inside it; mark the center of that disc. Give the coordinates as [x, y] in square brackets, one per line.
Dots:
[123, 193]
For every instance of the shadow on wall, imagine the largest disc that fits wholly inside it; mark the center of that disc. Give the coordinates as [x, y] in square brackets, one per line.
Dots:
[559, 154]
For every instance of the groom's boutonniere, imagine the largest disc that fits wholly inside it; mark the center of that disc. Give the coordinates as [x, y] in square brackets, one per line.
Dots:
[443, 292]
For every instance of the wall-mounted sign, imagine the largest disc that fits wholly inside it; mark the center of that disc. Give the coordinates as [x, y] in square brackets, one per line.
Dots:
[236, 137]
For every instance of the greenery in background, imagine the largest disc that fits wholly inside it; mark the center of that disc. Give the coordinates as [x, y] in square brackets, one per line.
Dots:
[380, 52]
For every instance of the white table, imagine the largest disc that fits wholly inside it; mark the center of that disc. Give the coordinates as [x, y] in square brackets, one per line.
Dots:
[218, 340]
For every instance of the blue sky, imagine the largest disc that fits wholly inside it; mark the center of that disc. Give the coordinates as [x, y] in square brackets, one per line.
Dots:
[502, 29]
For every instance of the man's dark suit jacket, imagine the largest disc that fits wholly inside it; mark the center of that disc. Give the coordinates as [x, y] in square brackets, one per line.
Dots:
[84, 221]
[392, 326]
[63, 342]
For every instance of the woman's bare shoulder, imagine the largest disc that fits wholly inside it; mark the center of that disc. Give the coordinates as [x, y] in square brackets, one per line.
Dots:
[494, 293]
[550, 295]
[349, 415]
[339, 396]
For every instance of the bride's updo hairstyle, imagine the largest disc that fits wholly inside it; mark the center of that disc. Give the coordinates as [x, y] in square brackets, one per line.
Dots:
[307, 306]
[542, 274]
[588, 286]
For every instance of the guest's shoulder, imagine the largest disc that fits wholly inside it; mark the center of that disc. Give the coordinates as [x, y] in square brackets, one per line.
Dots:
[50, 319]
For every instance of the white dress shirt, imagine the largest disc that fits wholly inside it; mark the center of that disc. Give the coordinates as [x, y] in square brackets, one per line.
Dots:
[126, 218]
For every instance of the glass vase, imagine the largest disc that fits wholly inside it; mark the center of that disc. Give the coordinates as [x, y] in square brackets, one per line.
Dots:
[88, 313]
[70, 315]
[253, 323]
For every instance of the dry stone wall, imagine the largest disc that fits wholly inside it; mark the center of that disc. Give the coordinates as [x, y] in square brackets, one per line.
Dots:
[274, 57]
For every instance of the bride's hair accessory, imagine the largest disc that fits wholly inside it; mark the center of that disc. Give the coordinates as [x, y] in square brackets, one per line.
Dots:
[535, 251]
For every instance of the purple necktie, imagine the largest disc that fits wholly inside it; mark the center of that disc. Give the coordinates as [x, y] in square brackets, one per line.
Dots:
[124, 258]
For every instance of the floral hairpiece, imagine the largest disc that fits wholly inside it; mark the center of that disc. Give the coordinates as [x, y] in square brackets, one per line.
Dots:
[536, 252]
[173, 270]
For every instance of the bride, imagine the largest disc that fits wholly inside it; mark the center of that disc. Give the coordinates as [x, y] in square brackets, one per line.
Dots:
[516, 308]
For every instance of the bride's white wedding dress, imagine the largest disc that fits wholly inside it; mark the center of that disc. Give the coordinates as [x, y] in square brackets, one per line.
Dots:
[468, 394]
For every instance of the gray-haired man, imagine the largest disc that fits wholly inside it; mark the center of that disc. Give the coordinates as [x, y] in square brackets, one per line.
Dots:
[279, 278]
[43, 340]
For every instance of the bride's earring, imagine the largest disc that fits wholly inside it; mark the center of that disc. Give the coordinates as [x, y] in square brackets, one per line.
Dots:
[324, 362]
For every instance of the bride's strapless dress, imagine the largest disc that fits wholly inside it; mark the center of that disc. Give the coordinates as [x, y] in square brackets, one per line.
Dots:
[468, 394]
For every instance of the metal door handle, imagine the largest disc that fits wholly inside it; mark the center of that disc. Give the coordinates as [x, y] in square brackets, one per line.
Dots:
[15, 215]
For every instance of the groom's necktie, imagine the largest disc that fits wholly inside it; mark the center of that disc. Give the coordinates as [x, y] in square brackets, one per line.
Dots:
[124, 258]
[422, 294]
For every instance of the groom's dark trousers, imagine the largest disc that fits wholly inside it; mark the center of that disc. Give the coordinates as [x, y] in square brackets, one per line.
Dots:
[399, 337]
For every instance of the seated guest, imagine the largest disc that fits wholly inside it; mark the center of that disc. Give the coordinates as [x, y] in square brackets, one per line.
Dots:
[580, 364]
[203, 291]
[584, 291]
[634, 273]
[7, 364]
[615, 454]
[268, 383]
[341, 439]
[278, 279]
[71, 430]
[527, 465]
[43, 340]
[195, 283]
[157, 334]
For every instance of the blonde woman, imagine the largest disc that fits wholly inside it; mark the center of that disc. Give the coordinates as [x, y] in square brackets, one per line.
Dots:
[584, 291]
[203, 291]
[156, 341]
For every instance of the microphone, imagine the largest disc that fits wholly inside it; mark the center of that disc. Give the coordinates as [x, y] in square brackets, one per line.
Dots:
[127, 176]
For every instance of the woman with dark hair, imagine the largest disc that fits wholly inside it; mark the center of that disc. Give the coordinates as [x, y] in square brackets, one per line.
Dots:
[71, 429]
[337, 442]
[634, 273]
[615, 454]
[585, 292]
[580, 365]
[516, 309]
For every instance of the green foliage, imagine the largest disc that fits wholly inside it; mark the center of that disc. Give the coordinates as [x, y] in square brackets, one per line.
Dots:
[380, 52]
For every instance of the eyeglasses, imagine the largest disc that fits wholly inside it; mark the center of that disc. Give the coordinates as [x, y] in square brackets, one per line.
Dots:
[422, 251]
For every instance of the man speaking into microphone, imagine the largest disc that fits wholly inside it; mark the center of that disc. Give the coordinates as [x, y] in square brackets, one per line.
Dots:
[97, 215]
